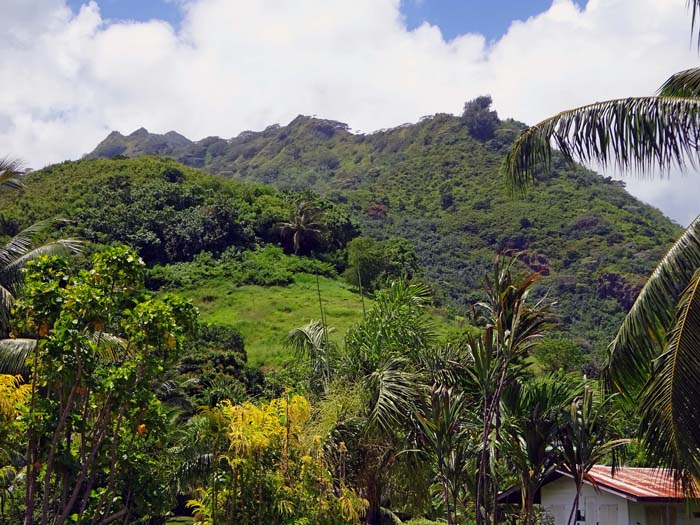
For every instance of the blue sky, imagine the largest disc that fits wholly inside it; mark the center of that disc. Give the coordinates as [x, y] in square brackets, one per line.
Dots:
[141, 10]
[454, 17]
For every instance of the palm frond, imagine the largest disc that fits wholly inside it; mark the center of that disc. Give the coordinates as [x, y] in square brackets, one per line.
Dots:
[9, 170]
[390, 516]
[682, 84]
[633, 133]
[641, 337]
[11, 273]
[394, 388]
[110, 347]
[444, 364]
[8, 474]
[14, 353]
[7, 299]
[670, 419]
[694, 6]
[23, 242]
[193, 470]
[309, 339]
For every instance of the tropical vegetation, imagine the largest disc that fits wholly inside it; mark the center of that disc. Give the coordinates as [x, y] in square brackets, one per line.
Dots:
[653, 359]
[436, 184]
[122, 402]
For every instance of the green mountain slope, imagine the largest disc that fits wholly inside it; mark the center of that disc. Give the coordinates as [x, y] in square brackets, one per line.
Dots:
[436, 183]
[204, 237]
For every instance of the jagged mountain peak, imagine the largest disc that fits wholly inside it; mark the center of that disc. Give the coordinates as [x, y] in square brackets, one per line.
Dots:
[140, 133]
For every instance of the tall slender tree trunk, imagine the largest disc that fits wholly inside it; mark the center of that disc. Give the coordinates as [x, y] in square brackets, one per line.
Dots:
[574, 507]
[446, 496]
[494, 481]
[485, 486]
[482, 481]
[374, 498]
[527, 510]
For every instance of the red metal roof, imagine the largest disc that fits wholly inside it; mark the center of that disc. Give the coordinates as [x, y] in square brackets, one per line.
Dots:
[642, 483]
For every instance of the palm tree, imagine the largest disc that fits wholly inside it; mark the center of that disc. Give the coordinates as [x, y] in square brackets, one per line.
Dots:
[200, 446]
[498, 356]
[655, 357]
[533, 415]
[637, 133]
[381, 356]
[445, 435]
[17, 252]
[587, 438]
[304, 230]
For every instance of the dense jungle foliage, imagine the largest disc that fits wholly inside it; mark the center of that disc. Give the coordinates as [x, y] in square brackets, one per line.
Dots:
[119, 406]
[437, 184]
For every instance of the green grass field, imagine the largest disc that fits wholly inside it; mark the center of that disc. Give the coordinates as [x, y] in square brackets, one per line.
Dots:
[264, 315]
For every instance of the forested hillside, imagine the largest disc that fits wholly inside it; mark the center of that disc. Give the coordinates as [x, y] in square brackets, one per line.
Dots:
[224, 243]
[209, 238]
[437, 183]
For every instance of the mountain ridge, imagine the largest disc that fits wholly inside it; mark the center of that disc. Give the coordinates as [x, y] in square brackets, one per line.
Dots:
[437, 183]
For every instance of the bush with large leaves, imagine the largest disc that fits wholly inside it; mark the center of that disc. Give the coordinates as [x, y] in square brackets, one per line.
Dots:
[95, 431]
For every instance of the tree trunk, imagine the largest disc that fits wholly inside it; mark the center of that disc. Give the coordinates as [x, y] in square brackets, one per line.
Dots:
[526, 509]
[482, 481]
[446, 495]
[374, 498]
[32, 447]
[485, 485]
[574, 507]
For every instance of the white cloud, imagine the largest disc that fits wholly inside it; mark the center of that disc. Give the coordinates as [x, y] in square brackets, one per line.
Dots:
[237, 65]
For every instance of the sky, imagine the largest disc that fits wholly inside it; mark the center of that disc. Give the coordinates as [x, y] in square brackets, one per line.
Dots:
[454, 17]
[81, 69]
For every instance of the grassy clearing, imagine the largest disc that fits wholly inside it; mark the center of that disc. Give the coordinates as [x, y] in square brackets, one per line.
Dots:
[264, 315]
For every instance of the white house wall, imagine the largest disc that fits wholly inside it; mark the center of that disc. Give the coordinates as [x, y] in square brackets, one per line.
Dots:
[558, 498]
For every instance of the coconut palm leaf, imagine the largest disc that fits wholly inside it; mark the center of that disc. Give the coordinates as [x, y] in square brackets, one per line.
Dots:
[11, 274]
[670, 419]
[14, 353]
[637, 134]
[21, 243]
[6, 302]
[309, 339]
[682, 84]
[641, 337]
[9, 170]
[305, 228]
[694, 6]
[109, 346]
[310, 342]
[444, 364]
[21, 248]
